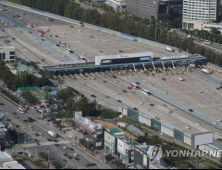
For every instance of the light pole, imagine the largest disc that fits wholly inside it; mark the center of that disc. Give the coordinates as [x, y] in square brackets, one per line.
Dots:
[80, 71]
[48, 159]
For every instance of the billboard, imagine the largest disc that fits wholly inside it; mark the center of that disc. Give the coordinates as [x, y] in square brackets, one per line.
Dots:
[202, 138]
[106, 61]
[141, 160]
[121, 147]
[109, 140]
[145, 58]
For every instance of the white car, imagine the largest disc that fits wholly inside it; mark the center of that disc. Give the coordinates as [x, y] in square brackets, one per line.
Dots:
[219, 120]
[144, 98]
[198, 123]
[150, 84]
[215, 123]
[64, 147]
[80, 30]
[140, 103]
[187, 127]
[30, 126]
[161, 134]
[116, 81]
[165, 92]
[20, 18]
[87, 139]
[2, 115]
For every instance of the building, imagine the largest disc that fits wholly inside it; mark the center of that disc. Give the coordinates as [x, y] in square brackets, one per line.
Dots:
[87, 125]
[136, 131]
[5, 157]
[121, 4]
[125, 149]
[155, 8]
[141, 160]
[12, 165]
[199, 12]
[7, 54]
[110, 139]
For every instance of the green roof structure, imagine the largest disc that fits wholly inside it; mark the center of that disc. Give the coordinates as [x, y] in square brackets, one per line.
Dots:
[114, 131]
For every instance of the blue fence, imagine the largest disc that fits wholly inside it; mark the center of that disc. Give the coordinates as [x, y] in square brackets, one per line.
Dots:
[38, 11]
[132, 37]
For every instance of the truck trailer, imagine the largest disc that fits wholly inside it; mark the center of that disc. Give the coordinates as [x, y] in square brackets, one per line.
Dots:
[205, 71]
[52, 134]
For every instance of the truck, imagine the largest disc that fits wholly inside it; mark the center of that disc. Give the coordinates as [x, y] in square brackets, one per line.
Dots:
[52, 134]
[205, 71]
[169, 49]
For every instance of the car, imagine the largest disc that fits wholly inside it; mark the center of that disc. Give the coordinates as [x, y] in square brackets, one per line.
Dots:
[150, 84]
[30, 32]
[57, 144]
[71, 149]
[87, 139]
[36, 16]
[140, 103]
[119, 101]
[64, 147]
[107, 96]
[129, 88]
[69, 157]
[198, 123]
[124, 91]
[88, 165]
[215, 123]
[56, 36]
[104, 81]
[30, 126]
[161, 134]
[91, 36]
[80, 30]
[151, 104]
[165, 92]
[71, 26]
[66, 155]
[135, 108]
[217, 88]
[120, 51]
[77, 159]
[169, 112]
[190, 110]
[116, 81]
[218, 120]
[144, 98]
[114, 77]
[92, 95]
[93, 164]
[137, 82]
[187, 127]
[134, 92]
[55, 140]
[219, 139]
[49, 139]
[16, 117]
[43, 39]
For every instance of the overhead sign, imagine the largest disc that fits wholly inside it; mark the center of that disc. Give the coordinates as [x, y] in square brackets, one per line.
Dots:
[98, 144]
[202, 138]
[106, 61]
[145, 58]
[58, 63]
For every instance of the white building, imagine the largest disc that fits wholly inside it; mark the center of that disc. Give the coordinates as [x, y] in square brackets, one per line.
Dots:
[121, 4]
[7, 54]
[12, 165]
[198, 12]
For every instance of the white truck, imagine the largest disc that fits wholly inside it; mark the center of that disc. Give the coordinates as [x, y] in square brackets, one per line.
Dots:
[169, 49]
[205, 71]
[52, 134]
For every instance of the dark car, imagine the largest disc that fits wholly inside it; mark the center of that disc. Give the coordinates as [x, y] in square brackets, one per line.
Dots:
[92, 95]
[104, 81]
[49, 139]
[71, 26]
[55, 140]
[71, 149]
[114, 77]
[77, 159]
[120, 51]
[65, 154]
[30, 32]
[151, 104]
[57, 144]
[163, 79]
[190, 110]
[218, 88]
[43, 39]
[56, 36]
[124, 91]
[69, 157]
[135, 108]
[93, 164]
[137, 83]
[119, 101]
[88, 165]
[129, 88]
[43, 60]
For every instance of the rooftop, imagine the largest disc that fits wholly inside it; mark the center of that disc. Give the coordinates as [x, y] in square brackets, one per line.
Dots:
[4, 155]
[16, 166]
[129, 141]
[11, 47]
[114, 131]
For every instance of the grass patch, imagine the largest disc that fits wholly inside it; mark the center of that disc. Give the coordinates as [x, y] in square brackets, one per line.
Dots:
[38, 164]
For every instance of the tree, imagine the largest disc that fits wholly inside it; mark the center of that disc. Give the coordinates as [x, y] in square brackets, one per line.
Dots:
[220, 161]
[70, 104]
[58, 165]
[43, 155]
[29, 97]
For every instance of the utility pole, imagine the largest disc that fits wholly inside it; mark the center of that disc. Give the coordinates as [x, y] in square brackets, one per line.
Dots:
[155, 29]
[48, 159]
[36, 152]
[126, 159]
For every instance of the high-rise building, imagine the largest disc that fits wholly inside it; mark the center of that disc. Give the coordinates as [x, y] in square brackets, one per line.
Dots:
[199, 12]
[155, 8]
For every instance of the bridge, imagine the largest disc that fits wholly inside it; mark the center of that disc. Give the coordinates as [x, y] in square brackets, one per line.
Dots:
[92, 65]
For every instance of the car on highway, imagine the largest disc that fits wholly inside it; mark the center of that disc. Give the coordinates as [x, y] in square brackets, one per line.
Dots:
[190, 110]
[92, 95]
[217, 88]
[144, 98]
[116, 81]
[134, 92]
[57, 145]
[43, 60]
[164, 79]
[151, 104]
[135, 108]
[140, 103]
[165, 92]
[187, 127]
[104, 81]
[120, 51]
[56, 36]
[71, 149]
[66, 155]
[43, 39]
[129, 88]
[124, 91]
[215, 123]
[71, 26]
[198, 123]
[119, 101]
[64, 147]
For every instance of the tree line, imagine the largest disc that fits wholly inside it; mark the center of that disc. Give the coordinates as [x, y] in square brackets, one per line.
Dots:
[22, 80]
[144, 28]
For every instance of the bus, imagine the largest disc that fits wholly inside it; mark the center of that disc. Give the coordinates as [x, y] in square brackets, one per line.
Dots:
[207, 42]
[146, 92]
[19, 109]
[134, 86]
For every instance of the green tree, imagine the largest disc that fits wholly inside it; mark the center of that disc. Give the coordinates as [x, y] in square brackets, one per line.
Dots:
[43, 155]
[70, 104]
[57, 165]
[29, 97]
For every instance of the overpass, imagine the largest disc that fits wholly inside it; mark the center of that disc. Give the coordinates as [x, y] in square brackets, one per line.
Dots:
[92, 65]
